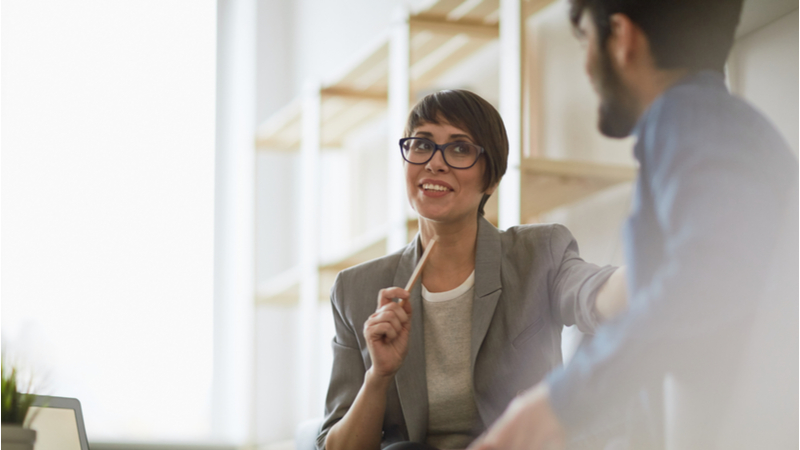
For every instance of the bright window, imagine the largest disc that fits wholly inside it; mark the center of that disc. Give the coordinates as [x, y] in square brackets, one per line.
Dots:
[108, 208]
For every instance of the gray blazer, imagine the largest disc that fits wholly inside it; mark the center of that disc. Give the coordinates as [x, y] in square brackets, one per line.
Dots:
[529, 283]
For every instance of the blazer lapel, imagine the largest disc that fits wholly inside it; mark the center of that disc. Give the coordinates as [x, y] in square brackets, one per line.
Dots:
[412, 386]
[488, 284]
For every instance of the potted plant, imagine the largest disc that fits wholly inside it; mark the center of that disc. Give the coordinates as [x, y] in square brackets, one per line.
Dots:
[16, 434]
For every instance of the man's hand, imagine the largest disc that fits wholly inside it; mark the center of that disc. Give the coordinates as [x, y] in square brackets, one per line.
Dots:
[528, 423]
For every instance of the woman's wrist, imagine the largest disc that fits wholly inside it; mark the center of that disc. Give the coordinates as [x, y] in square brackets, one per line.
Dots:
[376, 381]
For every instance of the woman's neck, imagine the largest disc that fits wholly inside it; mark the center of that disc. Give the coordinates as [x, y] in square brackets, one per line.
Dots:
[453, 259]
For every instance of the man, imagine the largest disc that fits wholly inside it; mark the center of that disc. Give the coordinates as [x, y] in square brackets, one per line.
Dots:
[711, 249]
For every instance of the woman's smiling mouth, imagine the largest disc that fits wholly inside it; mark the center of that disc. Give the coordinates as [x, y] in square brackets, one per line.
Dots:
[434, 188]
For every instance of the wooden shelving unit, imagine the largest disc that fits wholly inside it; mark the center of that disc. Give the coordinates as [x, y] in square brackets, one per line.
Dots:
[359, 91]
[283, 289]
[548, 183]
[380, 81]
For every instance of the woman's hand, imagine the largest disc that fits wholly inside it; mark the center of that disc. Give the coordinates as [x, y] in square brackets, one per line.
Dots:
[387, 332]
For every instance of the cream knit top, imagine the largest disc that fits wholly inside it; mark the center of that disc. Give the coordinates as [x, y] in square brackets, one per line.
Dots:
[452, 414]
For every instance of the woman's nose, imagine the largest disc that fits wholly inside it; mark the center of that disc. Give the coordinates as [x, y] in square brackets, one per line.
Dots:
[437, 164]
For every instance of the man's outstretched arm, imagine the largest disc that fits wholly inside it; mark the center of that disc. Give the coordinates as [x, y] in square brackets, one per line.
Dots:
[528, 423]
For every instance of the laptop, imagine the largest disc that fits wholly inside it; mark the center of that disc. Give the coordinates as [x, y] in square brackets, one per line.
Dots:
[58, 422]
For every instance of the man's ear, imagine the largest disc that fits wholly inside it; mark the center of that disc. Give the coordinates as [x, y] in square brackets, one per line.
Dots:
[623, 39]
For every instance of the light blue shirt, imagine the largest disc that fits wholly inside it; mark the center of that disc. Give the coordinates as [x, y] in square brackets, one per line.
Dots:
[714, 185]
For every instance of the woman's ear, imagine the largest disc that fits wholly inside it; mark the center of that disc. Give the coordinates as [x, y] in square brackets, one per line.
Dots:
[490, 190]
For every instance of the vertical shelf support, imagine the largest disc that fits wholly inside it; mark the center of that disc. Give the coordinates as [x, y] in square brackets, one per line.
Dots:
[511, 57]
[233, 385]
[308, 354]
[399, 97]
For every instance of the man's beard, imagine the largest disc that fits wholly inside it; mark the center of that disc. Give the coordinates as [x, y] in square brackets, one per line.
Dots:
[617, 114]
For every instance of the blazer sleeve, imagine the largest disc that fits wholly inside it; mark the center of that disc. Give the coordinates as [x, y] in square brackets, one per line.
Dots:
[574, 285]
[348, 371]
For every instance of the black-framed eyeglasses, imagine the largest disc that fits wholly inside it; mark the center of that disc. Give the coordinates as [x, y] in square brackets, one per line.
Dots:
[458, 155]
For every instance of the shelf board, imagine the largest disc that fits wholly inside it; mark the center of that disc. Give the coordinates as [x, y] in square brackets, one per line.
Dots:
[484, 11]
[282, 289]
[549, 183]
[433, 54]
[367, 247]
[342, 112]
[531, 7]
[366, 70]
[363, 249]
[283, 129]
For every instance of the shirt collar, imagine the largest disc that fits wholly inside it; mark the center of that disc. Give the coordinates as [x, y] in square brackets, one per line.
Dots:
[706, 78]
[700, 78]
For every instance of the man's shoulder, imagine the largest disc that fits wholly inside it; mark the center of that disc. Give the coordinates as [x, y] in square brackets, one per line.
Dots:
[703, 119]
[710, 109]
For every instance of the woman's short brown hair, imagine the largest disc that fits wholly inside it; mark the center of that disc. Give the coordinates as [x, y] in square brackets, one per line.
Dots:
[471, 113]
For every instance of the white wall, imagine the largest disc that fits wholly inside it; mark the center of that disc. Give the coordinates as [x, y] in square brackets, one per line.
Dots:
[763, 69]
[276, 53]
[327, 33]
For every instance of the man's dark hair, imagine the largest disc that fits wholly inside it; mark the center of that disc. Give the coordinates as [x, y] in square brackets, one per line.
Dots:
[683, 34]
[471, 113]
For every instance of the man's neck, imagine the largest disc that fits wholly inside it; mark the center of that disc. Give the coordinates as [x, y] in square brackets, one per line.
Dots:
[649, 86]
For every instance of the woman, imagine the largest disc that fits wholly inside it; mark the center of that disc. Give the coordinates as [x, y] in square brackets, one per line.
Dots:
[434, 369]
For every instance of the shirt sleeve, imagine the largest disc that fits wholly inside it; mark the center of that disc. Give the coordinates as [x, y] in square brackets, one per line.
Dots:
[347, 374]
[717, 203]
[573, 290]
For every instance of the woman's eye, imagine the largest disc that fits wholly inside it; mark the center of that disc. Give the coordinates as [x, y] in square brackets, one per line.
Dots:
[424, 146]
[461, 149]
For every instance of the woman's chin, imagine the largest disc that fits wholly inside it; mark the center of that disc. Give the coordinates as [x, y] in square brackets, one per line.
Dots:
[442, 217]
[433, 216]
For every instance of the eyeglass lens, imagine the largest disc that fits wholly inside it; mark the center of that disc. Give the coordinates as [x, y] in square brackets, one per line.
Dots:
[456, 154]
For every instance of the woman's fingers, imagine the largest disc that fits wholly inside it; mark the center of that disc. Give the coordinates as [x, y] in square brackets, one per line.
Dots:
[391, 317]
[386, 296]
[385, 316]
[377, 331]
[405, 307]
[396, 309]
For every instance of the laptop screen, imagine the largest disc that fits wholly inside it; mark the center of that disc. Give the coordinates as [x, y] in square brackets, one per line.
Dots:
[58, 422]
[56, 428]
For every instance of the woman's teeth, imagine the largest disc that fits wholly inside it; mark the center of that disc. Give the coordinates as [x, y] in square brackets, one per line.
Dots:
[434, 187]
